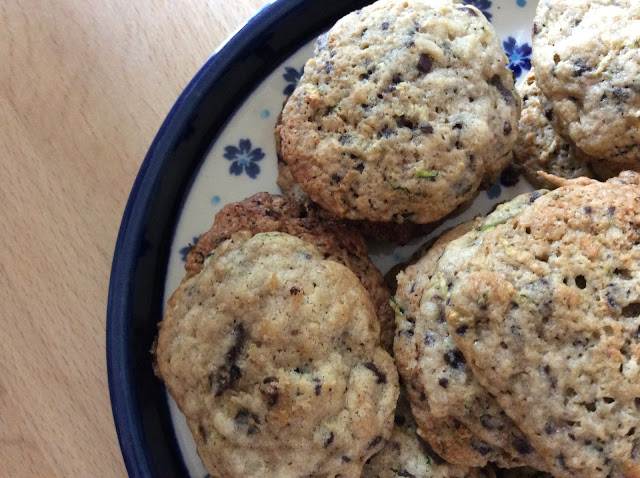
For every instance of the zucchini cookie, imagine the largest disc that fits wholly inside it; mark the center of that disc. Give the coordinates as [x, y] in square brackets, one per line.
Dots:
[539, 146]
[264, 212]
[272, 353]
[547, 314]
[586, 56]
[431, 363]
[406, 455]
[403, 111]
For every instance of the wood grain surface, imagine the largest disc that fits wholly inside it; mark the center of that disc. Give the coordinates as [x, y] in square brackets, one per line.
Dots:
[84, 86]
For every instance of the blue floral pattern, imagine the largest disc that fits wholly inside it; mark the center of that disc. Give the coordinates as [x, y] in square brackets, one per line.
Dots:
[184, 252]
[482, 5]
[521, 3]
[291, 76]
[519, 56]
[244, 158]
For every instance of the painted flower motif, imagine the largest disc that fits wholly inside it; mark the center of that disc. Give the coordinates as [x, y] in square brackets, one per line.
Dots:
[184, 252]
[482, 5]
[244, 158]
[291, 76]
[519, 56]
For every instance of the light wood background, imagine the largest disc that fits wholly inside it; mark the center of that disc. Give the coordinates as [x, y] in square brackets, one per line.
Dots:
[84, 86]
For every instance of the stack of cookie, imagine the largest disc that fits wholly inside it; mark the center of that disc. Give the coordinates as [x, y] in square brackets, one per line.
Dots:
[581, 106]
[518, 336]
[515, 337]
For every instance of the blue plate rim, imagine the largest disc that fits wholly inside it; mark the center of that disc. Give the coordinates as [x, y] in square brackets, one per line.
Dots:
[131, 240]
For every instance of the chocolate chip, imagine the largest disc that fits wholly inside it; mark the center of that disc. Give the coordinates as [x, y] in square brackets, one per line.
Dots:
[336, 178]
[443, 382]
[329, 440]
[375, 442]
[549, 429]
[506, 93]
[533, 196]
[425, 63]
[522, 446]
[621, 94]
[240, 336]
[273, 399]
[587, 209]
[294, 291]
[360, 167]
[610, 211]
[395, 79]
[536, 28]
[229, 373]
[403, 122]
[454, 358]
[458, 125]
[486, 421]
[246, 418]
[469, 10]
[482, 448]
[386, 132]
[426, 128]
[345, 459]
[385, 25]
[381, 377]
[318, 387]
[462, 330]
[344, 138]
[506, 128]
[580, 67]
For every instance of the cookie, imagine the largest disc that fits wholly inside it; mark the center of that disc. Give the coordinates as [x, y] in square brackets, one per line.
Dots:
[547, 314]
[404, 109]
[539, 146]
[406, 455]
[272, 353]
[428, 358]
[586, 56]
[380, 231]
[264, 212]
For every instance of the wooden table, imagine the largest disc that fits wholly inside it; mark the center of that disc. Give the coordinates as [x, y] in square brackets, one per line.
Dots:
[84, 86]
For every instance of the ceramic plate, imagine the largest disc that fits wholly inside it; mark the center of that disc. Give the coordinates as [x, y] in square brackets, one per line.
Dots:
[215, 147]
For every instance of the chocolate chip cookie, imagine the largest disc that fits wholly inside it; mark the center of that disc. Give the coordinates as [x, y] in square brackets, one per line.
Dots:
[586, 56]
[403, 111]
[271, 352]
[547, 314]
